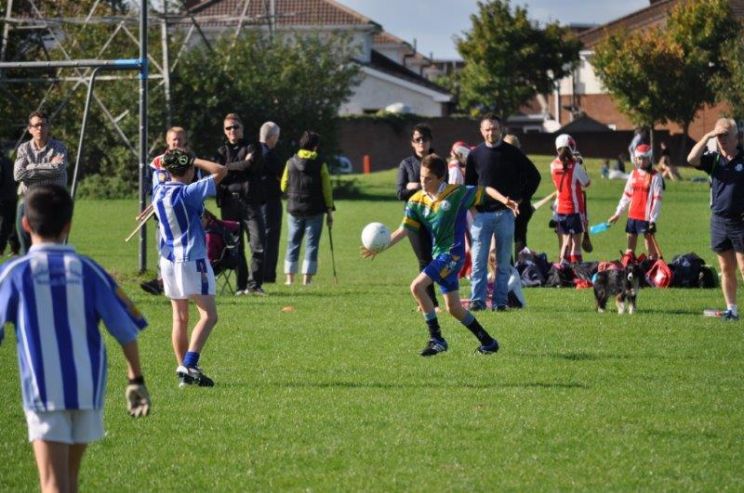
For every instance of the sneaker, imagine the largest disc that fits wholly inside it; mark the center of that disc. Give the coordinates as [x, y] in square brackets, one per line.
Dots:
[241, 292]
[257, 291]
[477, 306]
[434, 347]
[193, 376]
[155, 286]
[489, 348]
[729, 316]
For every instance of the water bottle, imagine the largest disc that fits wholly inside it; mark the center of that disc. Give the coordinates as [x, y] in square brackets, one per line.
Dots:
[712, 313]
[599, 228]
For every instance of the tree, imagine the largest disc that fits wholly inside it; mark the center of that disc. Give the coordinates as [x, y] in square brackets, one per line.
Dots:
[509, 59]
[668, 74]
[731, 88]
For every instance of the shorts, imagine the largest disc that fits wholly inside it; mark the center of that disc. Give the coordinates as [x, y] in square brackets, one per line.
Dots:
[726, 234]
[182, 280]
[569, 224]
[65, 426]
[636, 227]
[444, 271]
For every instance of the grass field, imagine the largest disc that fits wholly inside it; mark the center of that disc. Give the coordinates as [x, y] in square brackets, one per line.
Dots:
[334, 397]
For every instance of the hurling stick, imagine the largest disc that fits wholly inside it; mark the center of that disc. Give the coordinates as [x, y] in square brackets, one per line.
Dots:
[543, 201]
[142, 222]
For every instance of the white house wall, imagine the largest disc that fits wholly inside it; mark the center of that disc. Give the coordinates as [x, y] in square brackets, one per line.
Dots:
[375, 94]
[585, 80]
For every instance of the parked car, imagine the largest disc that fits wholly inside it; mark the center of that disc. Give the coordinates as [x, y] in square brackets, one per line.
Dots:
[340, 165]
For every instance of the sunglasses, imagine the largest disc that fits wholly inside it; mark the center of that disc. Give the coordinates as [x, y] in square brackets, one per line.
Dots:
[232, 127]
[420, 140]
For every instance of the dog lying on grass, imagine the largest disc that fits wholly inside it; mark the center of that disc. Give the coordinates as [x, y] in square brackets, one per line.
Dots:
[624, 284]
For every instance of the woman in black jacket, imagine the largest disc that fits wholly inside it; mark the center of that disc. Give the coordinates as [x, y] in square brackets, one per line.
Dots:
[409, 182]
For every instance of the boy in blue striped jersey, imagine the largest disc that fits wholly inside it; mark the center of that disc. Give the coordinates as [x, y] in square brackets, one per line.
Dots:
[440, 209]
[56, 298]
[187, 274]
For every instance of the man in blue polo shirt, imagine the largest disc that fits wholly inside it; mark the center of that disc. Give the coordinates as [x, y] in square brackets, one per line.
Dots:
[726, 169]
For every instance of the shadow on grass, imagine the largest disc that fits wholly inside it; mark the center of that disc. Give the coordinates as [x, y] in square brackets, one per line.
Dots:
[575, 356]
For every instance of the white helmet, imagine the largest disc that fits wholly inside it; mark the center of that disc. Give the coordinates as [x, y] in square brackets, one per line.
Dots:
[565, 140]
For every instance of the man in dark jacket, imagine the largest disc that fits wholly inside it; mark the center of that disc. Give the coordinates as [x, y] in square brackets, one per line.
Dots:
[240, 197]
[272, 209]
[500, 165]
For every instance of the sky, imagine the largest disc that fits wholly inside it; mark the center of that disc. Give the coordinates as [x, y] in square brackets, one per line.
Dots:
[433, 23]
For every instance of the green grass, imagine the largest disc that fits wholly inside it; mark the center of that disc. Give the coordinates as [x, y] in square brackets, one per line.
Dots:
[334, 397]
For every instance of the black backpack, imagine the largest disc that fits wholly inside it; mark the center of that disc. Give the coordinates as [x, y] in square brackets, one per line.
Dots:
[686, 270]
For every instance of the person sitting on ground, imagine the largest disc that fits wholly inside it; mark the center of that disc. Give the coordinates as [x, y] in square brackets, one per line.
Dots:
[665, 166]
[643, 193]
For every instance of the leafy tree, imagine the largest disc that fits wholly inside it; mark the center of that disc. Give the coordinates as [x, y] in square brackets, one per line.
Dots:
[298, 82]
[731, 88]
[509, 59]
[668, 74]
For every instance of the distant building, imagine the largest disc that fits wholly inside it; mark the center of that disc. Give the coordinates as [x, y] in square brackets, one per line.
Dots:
[392, 70]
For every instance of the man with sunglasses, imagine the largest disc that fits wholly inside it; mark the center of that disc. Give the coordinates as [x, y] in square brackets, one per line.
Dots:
[240, 197]
[40, 160]
[408, 183]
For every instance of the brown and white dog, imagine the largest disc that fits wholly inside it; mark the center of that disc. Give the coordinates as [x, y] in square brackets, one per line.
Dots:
[624, 284]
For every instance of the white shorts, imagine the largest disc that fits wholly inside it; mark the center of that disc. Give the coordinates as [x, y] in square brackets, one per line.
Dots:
[181, 280]
[65, 426]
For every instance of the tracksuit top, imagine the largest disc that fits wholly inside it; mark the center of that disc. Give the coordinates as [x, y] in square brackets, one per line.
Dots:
[643, 192]
[570, 183]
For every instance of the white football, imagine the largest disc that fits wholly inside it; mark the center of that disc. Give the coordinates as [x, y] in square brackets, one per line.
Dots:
[375, 237]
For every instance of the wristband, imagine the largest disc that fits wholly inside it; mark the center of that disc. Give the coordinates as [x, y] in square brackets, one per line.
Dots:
[140, 380]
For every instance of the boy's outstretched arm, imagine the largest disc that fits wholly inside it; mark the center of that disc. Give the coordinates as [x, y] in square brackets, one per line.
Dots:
[138, 398]
[395, 237]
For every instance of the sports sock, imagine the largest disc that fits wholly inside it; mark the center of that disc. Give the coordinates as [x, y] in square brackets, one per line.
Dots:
[191, 359]
[733, 308]
[476, 328]
[432, 322]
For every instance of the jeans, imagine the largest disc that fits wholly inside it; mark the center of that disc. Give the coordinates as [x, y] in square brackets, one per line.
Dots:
[311, 227]
[485, 225]
[272, 216]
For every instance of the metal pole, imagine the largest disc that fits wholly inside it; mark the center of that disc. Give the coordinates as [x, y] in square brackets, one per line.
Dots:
[6, 30]
[86, 111]
[166, 63]
[143, 131]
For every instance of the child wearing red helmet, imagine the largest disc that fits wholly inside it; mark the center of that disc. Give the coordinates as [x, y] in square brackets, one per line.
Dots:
[643, 193]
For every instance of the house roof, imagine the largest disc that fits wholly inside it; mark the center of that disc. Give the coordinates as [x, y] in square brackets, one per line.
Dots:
[584, 124]
[653, 15]
[287, 12]
[380, 62]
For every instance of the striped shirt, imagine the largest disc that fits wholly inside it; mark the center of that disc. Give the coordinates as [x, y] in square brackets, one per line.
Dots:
[643, 192]
[569, 183]
[443, 215]
[179, 209]
[56, 298]
[34, 166]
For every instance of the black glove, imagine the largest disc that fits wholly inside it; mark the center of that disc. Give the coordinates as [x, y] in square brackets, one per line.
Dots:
[652, 228]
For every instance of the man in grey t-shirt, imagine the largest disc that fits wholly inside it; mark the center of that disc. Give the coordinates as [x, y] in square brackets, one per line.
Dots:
[40, 160]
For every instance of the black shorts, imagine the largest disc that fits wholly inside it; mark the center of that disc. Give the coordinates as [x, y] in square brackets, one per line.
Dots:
[569, 224]
[636, 227]
[726, 234]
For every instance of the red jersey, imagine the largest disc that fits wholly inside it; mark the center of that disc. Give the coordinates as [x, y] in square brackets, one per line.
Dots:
[643, 192]
[570, 183]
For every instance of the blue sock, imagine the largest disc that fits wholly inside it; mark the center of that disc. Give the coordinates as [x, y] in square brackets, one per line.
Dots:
[191, 359]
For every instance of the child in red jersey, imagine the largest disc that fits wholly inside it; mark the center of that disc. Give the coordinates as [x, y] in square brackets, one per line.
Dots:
[570, 180]
[643, 192]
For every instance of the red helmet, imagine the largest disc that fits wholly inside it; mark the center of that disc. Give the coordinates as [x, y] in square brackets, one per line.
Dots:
[461, 150]
[565, 140]
[643, 150]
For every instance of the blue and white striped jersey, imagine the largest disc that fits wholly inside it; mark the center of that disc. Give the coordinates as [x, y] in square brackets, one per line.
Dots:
[56, 299]
[179, 209]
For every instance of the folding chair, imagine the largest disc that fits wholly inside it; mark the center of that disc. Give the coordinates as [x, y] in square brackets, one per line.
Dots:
[223, 243]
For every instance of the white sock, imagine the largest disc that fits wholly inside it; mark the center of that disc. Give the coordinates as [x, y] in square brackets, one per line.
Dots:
[733, 309]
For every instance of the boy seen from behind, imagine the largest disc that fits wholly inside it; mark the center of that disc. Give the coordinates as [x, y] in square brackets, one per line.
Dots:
[56, 298]
[187, 274]
[441, 209]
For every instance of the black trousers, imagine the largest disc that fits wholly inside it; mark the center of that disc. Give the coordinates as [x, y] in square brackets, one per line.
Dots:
[272, 216]
[7, 221]
[421, 244]
[520, 226]
[252, 226]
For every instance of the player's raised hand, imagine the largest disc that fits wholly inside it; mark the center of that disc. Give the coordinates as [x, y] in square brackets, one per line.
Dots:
[138, 400]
